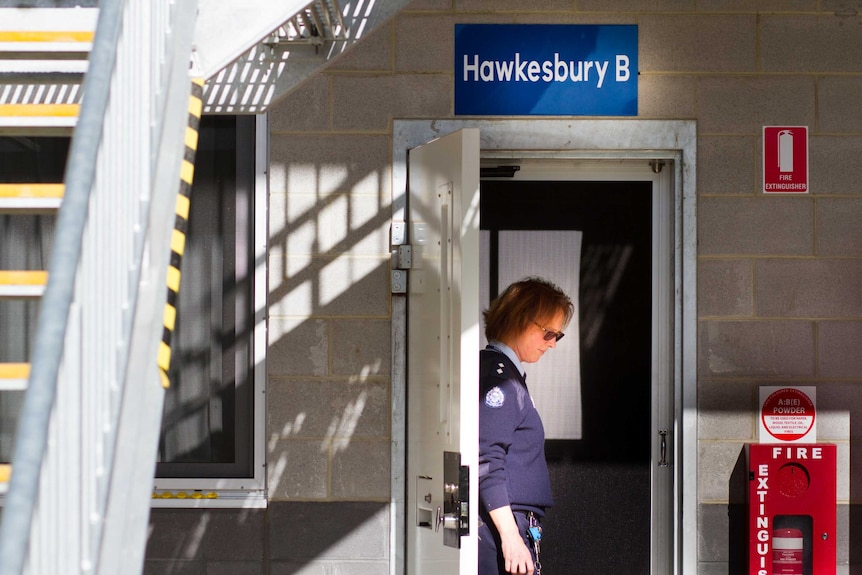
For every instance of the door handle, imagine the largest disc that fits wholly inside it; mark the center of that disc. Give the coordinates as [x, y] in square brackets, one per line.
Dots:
[447, 520]
[662, 462]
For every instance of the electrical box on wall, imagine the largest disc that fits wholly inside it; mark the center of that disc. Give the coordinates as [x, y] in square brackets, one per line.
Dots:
[791, 502]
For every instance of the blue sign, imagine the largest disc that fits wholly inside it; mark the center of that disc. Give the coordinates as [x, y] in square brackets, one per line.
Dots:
[546, 69]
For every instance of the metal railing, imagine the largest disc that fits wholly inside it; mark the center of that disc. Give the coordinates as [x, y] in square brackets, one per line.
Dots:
[87, 435]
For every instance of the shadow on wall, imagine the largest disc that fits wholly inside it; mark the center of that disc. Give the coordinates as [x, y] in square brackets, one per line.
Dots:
[328, 439]
[329, 371]
[284, 539]
[329, 404]
[328, 454]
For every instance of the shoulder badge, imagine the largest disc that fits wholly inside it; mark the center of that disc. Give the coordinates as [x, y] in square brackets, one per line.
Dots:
[495, 397]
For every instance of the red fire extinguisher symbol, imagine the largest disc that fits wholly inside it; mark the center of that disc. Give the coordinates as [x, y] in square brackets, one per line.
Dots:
[787, 552]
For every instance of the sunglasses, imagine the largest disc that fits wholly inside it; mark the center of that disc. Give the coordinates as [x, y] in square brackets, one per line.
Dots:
[549, 335]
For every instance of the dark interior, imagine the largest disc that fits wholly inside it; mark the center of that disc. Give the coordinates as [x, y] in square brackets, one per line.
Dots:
[601, 519]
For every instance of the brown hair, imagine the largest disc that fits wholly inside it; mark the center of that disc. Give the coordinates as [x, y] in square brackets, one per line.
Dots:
[532, 299]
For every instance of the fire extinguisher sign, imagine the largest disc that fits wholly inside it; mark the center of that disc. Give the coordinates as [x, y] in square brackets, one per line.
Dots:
[785, 159]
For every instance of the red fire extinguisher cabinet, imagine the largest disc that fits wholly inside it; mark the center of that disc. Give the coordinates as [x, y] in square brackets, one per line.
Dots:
[791, 503]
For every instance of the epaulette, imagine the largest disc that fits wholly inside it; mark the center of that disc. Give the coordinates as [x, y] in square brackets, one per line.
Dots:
[495, 365]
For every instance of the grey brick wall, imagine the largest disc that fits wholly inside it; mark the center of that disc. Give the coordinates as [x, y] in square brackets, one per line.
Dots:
[319, 538]
[778, 277]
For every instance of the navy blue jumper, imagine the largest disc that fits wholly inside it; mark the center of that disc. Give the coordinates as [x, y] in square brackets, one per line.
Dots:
[512, 467]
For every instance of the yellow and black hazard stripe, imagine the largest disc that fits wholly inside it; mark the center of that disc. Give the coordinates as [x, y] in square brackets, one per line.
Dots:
[178, 240]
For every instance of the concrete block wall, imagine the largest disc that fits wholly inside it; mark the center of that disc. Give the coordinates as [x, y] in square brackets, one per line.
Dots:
[779, 277]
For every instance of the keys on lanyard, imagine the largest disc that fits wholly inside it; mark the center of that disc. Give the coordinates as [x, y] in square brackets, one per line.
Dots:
[534, 533]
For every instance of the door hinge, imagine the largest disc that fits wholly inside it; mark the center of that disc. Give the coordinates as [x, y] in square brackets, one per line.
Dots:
[399, 281]
[402, 260]
[398, 233]
[402, 257]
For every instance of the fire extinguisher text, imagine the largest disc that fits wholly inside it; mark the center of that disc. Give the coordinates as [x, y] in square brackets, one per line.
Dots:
[762, 520]
[800, 453]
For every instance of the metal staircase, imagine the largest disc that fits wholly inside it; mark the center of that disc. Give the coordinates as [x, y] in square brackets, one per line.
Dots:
[88, 427]
[39, 96]
[254, 55]
[81, 400]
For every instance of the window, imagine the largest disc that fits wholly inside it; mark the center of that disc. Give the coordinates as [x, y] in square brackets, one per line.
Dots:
[212, 428]
[211, 438]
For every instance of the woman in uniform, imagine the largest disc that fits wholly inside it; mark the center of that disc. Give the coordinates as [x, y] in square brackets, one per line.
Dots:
[522, 324]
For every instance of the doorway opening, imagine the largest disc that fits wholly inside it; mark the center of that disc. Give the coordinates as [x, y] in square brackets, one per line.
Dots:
[667, 151]
[592, 237]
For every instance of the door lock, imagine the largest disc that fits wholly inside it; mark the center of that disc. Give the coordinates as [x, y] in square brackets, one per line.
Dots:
[447, 520]
[454, 514]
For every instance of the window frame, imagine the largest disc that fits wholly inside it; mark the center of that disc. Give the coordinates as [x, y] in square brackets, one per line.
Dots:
[240, 491]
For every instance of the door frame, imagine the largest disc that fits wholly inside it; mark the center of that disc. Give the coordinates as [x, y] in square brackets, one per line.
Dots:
[673, 140]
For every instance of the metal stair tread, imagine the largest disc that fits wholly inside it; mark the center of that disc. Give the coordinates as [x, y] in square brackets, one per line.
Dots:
[13, 376]
[46, 40]
[30, 197]
[29, 112]
[37, 67]
[43, 41]
[38, 118]
[23, 283]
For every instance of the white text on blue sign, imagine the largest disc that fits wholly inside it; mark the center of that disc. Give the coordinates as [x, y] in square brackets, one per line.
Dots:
[556, 70]
[546, 69]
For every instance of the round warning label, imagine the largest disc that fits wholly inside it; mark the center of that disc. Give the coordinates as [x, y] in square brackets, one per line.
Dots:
[788, 414]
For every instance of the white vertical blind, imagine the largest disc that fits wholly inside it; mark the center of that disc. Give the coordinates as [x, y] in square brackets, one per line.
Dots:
[555, 381]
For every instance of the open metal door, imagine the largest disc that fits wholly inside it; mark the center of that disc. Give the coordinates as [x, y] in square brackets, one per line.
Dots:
[443, 356]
